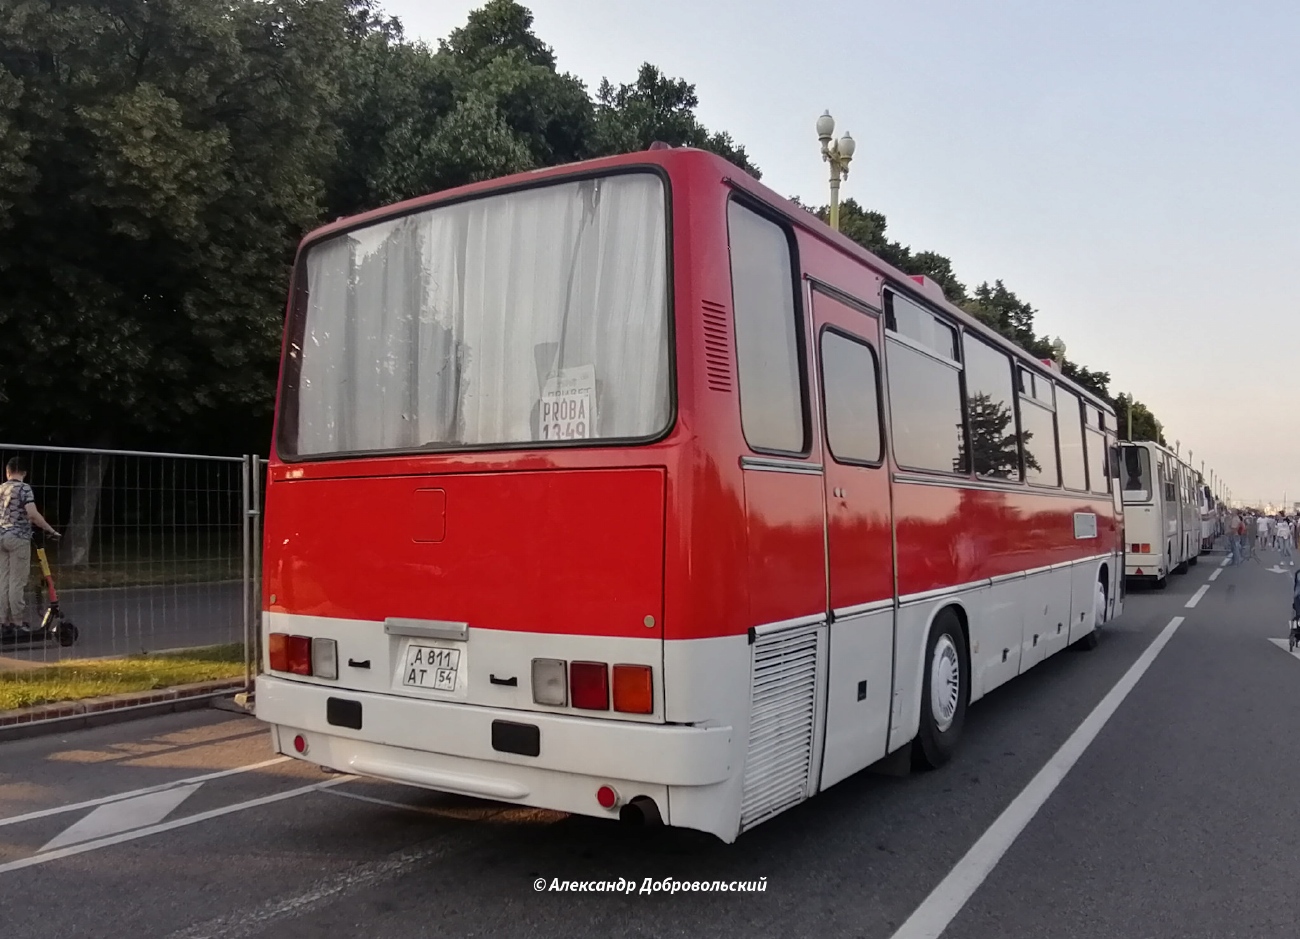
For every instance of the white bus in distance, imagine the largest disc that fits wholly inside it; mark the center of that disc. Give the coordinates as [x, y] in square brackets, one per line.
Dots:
[1209, 515]
[1161, 521]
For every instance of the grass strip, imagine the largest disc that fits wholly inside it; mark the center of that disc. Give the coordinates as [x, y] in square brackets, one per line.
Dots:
[74, 679]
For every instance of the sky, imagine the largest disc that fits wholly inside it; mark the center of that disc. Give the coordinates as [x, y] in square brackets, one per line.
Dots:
[1129, 167]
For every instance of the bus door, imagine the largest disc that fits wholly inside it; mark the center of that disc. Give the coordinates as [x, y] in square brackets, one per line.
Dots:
[859, 539]
[1171, 512]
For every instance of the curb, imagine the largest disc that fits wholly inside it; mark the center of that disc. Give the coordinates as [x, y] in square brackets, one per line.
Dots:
[111, 709]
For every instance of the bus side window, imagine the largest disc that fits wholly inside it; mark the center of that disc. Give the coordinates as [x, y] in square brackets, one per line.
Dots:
[928, 421]
[768, 349]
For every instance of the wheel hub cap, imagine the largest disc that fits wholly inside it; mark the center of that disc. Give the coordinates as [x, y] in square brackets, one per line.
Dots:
[945, 683]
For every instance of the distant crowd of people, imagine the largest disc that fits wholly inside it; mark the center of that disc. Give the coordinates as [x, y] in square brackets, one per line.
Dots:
[1247, 531]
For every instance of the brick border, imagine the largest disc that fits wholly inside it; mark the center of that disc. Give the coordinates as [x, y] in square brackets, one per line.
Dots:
[92, 712]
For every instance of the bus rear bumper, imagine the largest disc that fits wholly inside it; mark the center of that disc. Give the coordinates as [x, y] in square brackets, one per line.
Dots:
[448, 747]
[1145, 568]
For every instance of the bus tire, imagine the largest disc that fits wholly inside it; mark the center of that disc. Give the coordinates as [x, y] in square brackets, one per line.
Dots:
[1162, 583]
[1194, 560]
[945, 691]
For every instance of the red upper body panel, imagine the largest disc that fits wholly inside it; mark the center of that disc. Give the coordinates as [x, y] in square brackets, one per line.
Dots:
[600, 539]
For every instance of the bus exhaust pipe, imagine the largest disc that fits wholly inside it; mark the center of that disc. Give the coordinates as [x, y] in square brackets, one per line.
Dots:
[641, 812]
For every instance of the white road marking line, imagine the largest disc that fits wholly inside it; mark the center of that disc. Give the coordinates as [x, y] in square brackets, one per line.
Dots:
[167, 826]
[1215, 575]
[91, 803]
[945, 901]
[1225, 562]
[123, 815]
[1196, 597]
[1284, 645]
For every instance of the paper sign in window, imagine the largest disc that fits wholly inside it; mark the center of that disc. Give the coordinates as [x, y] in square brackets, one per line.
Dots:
[568, 409]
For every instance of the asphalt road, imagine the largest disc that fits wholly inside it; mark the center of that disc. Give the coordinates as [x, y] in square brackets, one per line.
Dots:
[127, 620]
[1177, 820]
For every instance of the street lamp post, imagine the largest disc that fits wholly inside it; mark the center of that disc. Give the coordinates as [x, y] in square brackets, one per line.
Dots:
[837, 153]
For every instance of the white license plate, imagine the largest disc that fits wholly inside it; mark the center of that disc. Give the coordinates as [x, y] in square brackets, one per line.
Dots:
[432, 667]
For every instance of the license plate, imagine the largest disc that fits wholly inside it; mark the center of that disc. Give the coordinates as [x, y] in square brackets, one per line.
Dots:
[432, 667]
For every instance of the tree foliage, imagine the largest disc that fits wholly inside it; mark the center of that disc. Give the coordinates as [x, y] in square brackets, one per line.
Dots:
[168, 155]
[160, 159]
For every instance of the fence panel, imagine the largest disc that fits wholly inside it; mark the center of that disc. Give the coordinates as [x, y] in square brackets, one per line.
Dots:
[157, 553]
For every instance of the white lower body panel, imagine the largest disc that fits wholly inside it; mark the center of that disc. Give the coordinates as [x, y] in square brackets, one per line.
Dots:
[448, 747]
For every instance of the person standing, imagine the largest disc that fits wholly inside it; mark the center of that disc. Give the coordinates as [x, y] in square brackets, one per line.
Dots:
[1233, 530]
[17, 516]
[1284, 540]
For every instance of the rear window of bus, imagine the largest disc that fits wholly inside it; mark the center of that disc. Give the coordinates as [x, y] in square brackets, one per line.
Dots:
[535, 317]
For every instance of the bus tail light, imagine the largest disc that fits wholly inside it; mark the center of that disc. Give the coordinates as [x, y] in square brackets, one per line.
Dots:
[277, 647]
[325, 658]
[589, 685]
[550, 682]
[291, 654]
[300, 655]
[1140, 548]
[633, 689]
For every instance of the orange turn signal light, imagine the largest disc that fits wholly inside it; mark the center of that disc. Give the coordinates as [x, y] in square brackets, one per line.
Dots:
[633, 689]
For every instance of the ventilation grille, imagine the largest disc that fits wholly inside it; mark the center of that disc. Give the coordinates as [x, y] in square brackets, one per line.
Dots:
[781, 725]
[717, 345]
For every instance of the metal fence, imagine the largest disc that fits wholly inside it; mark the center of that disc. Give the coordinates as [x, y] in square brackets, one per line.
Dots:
[160, 552]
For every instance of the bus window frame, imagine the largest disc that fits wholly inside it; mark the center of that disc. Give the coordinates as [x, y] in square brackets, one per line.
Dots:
[1152, 471]
[286, 411]
[892, 335]
[1015, 366]
[1083, 437]
[800, 316]
[880, 405]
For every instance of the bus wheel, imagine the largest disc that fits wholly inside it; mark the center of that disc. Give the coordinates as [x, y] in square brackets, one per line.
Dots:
[1194, 560]
[944, 693]
[1162, 583]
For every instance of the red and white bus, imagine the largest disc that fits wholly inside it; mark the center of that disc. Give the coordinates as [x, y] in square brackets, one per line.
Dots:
[630, 488]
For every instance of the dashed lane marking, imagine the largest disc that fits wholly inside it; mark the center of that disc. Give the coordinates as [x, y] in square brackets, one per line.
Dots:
[934, 914]
[1196, 597]
[1225, 562]
[111, 840]
[1215, 575]
[123, 815]
[92, 803]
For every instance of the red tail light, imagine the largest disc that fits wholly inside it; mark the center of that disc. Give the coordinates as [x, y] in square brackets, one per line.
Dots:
[633, 689]
[589, 685]
[277, 647]
[300, 655]
[289, 653]
[1144, 548]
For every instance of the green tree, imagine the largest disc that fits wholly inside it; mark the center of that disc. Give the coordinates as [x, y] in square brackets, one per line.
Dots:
[161, 159]
[657, 108]
[1145, 425]
[487, 102]
[172, 152]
